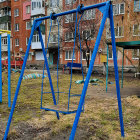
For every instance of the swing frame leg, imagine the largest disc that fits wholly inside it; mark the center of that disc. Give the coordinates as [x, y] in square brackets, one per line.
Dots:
[105, 14]
[21, 77]
[47, 67]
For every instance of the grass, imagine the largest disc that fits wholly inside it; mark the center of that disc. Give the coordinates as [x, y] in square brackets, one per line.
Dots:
[99, 121]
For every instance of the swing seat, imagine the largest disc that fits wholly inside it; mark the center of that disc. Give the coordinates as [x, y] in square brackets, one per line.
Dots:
[63, 108]
[60, 109]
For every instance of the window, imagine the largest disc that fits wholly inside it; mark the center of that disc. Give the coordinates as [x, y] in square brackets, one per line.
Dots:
[69, 36]
[53, 38]
[88, 34]
[27, 40]
[35, 38]
[119, 32]
[28, 25]
[5, 26]
[110, 54]
[16, 12]
[89, 14]
[118, 9]
[28, 9]
[16, 27]
[4, 41]
[136, 5]
[30, 56]
[69, 1]
[5, 11]
[68, 55]
[84, 55]
[70, 18]
[135, 54]
[16, 42]
[36, 5]
[136, 30]
[54, 3]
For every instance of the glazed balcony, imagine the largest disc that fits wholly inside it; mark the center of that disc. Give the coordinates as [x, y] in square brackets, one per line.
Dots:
[6, 3]
[5, 19]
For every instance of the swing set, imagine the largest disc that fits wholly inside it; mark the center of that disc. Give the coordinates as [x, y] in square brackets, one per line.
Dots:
[107, 11]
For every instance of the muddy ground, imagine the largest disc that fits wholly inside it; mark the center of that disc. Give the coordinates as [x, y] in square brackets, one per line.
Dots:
[100, 120]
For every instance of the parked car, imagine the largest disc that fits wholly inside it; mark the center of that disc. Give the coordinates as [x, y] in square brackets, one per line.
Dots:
[16, 62]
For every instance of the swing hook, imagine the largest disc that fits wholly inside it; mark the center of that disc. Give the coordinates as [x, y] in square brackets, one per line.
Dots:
[52, 17]
[79, 8]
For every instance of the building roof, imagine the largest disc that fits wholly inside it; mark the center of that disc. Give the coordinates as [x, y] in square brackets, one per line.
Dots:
[127, 45]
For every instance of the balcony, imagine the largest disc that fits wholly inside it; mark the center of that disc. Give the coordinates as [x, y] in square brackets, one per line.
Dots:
[6, 3]
[5, 19]
[37, 7]
[4, 48]
[36, 43]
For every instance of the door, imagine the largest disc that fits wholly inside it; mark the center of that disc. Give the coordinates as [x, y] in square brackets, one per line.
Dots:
[51, 58]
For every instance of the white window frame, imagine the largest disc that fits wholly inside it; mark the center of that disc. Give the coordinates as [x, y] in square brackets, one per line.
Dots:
[54, 3]
[28, 9]
[69, 18]
[17, 27]
[88, 15]
[36, 37]
[68, 2]
[90, 32]
[118, 9]
[68, 39]
[138, 30]
[68, 55]
[27, 40]
[3, 41]
[82, 54]
[108, 32]
[28, 22]
[138, 53]
[17, 42]
[110, 58]
[16, 12]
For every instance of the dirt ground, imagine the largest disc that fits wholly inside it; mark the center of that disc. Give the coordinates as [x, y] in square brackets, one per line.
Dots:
[100, 120]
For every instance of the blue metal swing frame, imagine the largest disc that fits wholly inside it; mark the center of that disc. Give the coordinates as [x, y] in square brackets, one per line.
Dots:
[106, 9]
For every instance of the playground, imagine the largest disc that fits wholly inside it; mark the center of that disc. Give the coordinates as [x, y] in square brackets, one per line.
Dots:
[99, 121]
[44, 104]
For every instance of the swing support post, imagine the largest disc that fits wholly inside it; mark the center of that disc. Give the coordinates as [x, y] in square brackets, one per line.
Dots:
[106, 9]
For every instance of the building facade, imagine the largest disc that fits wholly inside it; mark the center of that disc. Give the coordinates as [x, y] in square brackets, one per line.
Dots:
[37, 11]
[18, 15]
[54, 6]
[127, 28]
[5, 23]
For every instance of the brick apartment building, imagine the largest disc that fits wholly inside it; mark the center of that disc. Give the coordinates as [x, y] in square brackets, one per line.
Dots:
[5, 23]
[21, 26]
[127, 28]
[23, 12]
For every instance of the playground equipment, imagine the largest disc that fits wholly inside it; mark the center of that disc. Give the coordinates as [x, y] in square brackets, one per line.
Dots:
[125, 45]
[57, 107]
[107, 11]
[9, 68]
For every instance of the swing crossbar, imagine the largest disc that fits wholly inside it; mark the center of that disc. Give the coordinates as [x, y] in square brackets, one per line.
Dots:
[72, 11]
